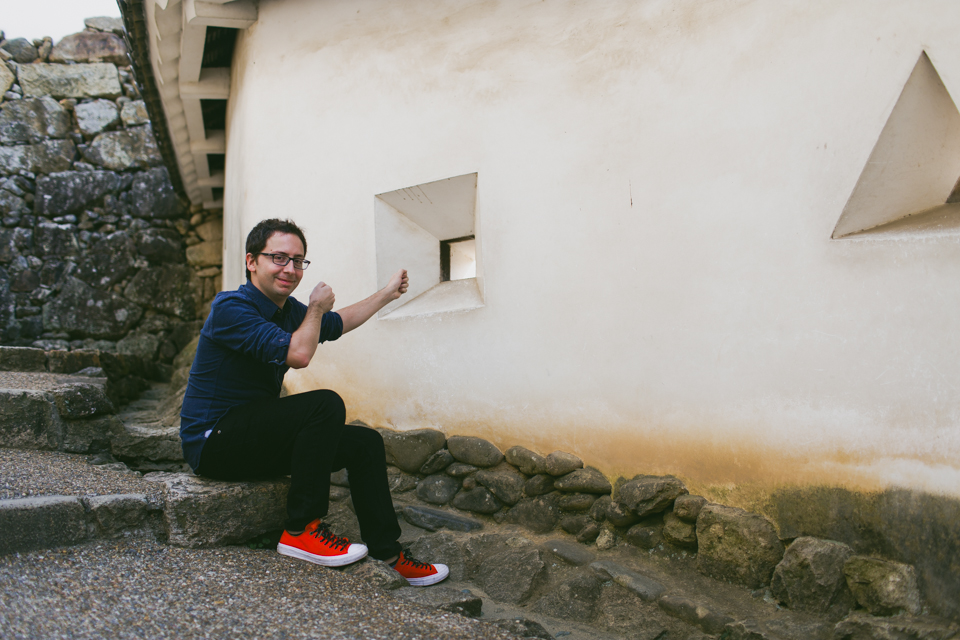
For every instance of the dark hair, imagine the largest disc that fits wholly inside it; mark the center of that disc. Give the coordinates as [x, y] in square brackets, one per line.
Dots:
[258, 236]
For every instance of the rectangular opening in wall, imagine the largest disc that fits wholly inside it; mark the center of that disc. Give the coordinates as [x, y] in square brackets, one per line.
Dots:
[458, 259]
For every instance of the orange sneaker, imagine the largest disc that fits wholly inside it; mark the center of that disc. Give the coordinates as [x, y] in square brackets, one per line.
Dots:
[319, 545]
[419, 574]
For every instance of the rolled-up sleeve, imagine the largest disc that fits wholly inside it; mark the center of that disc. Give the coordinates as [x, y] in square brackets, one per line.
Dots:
[331, 326]
[236, 324]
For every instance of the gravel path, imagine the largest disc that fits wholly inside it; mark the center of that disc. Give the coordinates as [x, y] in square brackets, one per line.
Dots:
[141, 589]
[51, 473]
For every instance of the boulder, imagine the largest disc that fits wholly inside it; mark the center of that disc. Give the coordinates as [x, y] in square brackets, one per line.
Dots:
[527, 461]
[576, 502]
[512, 575]
[84, 311]
[170, 288]
[210, 231]
[679, 533]
[144, 345]
[134, 113]
[48, 156]
[443, 598]
[503, 482]
[687, 507]
[587, 480]
[477, 500]
[589, 533]
[90, 46]
[12, 204]
[152, 194]
[205, 254]
[21, 50]
[810, 577]
[435, 519]
[52, 239]
[160, 245]
[41, 523]
[97, 80]
[108, 262]
[33, 120]
[79, 401]
[120, 514]
[560, 463]
[646, 495]
[883, 587]
[575, 598]
[647, 534]
[538, 485]
[437, 489]
[205, 513]
[474, 451]
[67, 191]
[409, 450]
[437, 462]
[132, 148]
[22, 359]
[537, 514]
[574, 524]
[737, 546]
[96, 117]
[647, 588]
[28, 421]
[859, 626]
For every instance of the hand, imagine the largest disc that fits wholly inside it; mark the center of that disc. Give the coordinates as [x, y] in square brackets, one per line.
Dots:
[398, 285]
[322, 297]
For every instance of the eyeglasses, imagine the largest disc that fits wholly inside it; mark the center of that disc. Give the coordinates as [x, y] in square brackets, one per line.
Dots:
[282, 260]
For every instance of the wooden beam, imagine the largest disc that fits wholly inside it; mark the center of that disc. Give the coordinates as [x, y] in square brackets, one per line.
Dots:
[238, 14]
[214, 84]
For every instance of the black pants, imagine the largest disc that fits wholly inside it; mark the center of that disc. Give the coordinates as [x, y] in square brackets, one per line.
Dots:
[304, 435]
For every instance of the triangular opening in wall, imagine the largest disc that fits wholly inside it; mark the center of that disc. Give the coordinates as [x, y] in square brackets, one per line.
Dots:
[914, 166]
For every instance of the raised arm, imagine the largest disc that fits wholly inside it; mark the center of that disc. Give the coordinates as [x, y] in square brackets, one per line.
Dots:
[356, 314]
[303, 341]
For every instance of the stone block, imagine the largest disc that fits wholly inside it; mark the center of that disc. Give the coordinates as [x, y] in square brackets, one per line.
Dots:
[134, 113]
[810, 577]
[574, 554]
[105, 23]
[679, 533]
[512, 575]
[475, 451]
[435, 519]
[560, 463]
[152, 194]
[687, 507]
[860, 626]
[503, 482]
[68, 191]
[7, 79]
[205, 254]
[537, 514]
[48, 156]
[406, 450]
[205, 513]
[529, 462]
[96, 117]
[169, 288]
[78, 401]
[59, 361]
[153, 442]
[648, 589]
[444, 599]
[737, 546]
[477, 500]
[160, 245]
[883, 587]
[108, 262]
[22, 359]
[587, 480]
[90, 436]
[213, 230]
[58, 240]
[13, 242]
[144, 345]
[126, 149]
[21, 50]
[85, 311]
[45, 522]
[116, 515]
[646, 495]
[574, 598]
[97, 80]
[28, 420]
[90, 46]
[32, 120]
[695, 613]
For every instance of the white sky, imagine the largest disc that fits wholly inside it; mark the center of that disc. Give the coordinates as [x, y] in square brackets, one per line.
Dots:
[55, 18]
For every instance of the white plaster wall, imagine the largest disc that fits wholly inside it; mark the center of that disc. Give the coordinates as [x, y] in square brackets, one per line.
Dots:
[658, 184]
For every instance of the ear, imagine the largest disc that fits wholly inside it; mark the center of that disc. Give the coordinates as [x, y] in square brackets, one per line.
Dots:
[251, 262]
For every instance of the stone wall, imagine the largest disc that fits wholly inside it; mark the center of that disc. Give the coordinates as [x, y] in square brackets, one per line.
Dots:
[97, 250]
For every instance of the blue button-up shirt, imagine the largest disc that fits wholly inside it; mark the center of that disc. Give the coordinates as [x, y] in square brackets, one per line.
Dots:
[241, 357]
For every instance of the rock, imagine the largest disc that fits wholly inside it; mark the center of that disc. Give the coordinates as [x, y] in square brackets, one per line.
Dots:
[60, 193]
[400, 482]
[883, 587]
[570, 553]
[599, 509]
[48, 156]
[503, 482]
[152, 194]
[108, 262]
[90, 46]
[434, 519]
[170, 288]
[11, 204]
[72, 361]
[78, 401]
[33, 120]
[160, 245]
[460, 470]
[21, 50]
[538, 485]
[625, 614]
[647, 588]
[477, 500]
[13, 242]
[537, 514]
[687, 507]
[134, 113]
[442, 548]
[859, 626]
[679, 533]
[523, 628]
[576, 502]
[205, 513]
[90, 436]
[574, 524]
[512, 575]
[28, 421]
[407, 450]
[132, 148]
[98, 80]
[437, 489]
[22, 359]
[646, 495]
[589, 533]
[205, 254]
[377, 573]
[51, 239]
[527, 461]
[810, 577]
[559, 463]
[573, 599]
[96, 117]
[737, 546]
[444, 599]
[144, 345]
[607, 539]
[115, 515]
[7, 79]
[41, 523]
[647, 534]
[437, 462]
[475, 451]
[82, 310]
[587, 480]
[695, 613]
[213, 230]
[105, 23]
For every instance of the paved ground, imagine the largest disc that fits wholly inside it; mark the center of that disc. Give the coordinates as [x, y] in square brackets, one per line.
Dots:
[141, 589]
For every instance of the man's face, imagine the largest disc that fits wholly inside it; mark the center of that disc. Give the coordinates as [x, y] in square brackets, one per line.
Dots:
[276, 282]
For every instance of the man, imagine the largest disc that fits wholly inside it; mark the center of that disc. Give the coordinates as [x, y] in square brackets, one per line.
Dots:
[234, 426]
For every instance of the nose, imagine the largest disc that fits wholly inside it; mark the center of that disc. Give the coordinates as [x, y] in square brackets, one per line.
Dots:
[290, 269]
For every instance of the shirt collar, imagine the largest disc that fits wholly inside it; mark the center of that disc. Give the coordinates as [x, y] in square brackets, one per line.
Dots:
[265, 305]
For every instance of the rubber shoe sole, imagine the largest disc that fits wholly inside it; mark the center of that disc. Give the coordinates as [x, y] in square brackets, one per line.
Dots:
[441, 574]
[354, 552]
